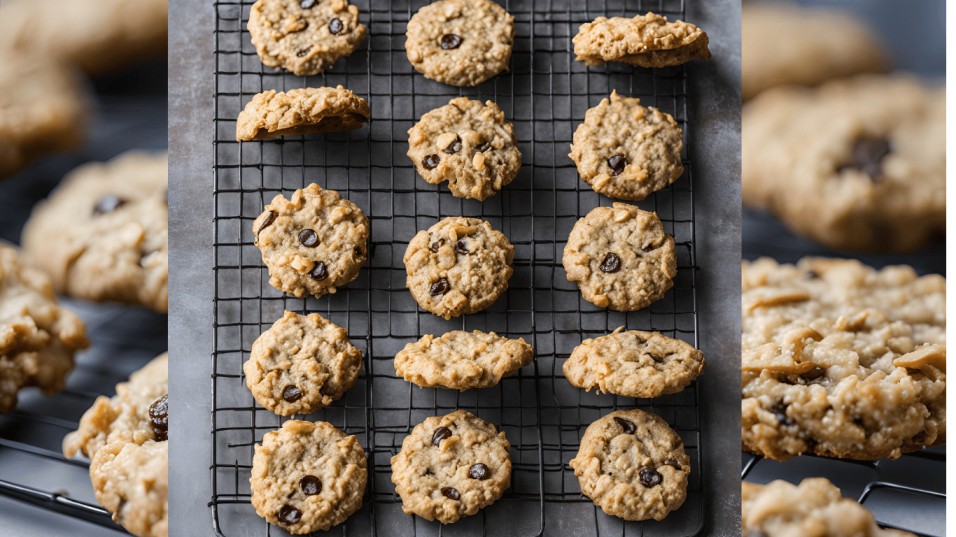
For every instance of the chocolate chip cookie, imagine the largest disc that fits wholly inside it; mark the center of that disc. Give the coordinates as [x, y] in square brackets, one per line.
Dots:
[102, 234]
[627, 151]
[301, 364]
[633, 363]
[645, 41]
[632, 465]
[462, 360]
[313, 243]
[841, 360]
[301, 111]
[308, 476]
[460, 42]
[458, 266]
[304, 36]
[451, 466]
[620, 257]
[37, 336]
[857, 164]
[468, 144]
[131, 481]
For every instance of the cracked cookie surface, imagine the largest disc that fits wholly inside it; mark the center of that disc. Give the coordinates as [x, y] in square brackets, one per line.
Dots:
[462, 360]
[301, 111]
[648, 40]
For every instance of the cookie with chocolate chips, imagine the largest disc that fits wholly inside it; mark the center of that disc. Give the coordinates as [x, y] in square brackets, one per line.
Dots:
[308, 477]
[632, 465]
[301, 364]
[460, 42]
[458, 266]
[620, 257]
[467, 143]
[300, 111]
[451, 467]
[313, 242]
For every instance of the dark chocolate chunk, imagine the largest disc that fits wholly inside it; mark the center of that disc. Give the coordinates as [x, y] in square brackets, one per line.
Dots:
[336, 26]
[430, 162]
[479, 471]
[440, 287]
[306, 4]
[625, 424]
[270, 218]
[289, 515]
[450, 41]
[867, 156]
[650, 477]
[310, 485]
[436, 245]
[673, 462]
[453, 147]
[440, 434]
[309, 238]
[159, 418]
[450, 493]
[461, 247]
[319, 271]
[611, 263]
[617, 163]
[291, 393]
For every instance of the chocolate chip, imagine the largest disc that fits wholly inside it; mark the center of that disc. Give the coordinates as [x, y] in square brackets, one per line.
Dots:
[461, 247]
[302, 52]
[673, 462]
[291, 393]
[453, 147]
[440, 434]
[306, 4]
[440, 287]
[450, 493]
[336, 26]
[814, 373]
[617, 163]
[450, 41]
[108, 204]
[270, 218]
[436, 245]
[310, 485]
[289, 515]
[430, 162]
[479, 471]
[611, 263]
[625, 424]
[159, 418]
[319, 271]
[650, 477]
[858, 421]
[867, 157]
[780, 412]
[309, 238]
[484, 147]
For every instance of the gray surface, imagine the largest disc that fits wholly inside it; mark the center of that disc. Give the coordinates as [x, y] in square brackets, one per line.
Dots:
[714, 153]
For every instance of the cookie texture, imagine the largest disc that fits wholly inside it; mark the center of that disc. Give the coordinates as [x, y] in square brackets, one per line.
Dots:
[460, 42]
[38, 337]
[313, 242]
[856, 164]
[304, 36]
[627, 151]
[645, 41]
[815, 507]
[308, 476]
[462, 360]
[784, 44]
[300, 111]
[451, 467]
[633, 363]
[620, 257]
[102, 233]
[301, 364]
[131, 481]
[458, 266]
[467, 143]
[841, 360]
[632, 465]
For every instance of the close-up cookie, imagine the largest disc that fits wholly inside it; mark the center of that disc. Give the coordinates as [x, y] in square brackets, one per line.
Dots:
[783, 44]
[632, 465]
[467, 143]
[620, 257]
[304, 36]
[460, 42]
[633, 363]
[451, 467]
[131, 481]
[462, 360]
[625, 150]
[301, 364]
[308, 477]
[857, 164]
[102, 233]
[38, 337]
[814, 507]
[458, 266]
[301, 111]
[313, 242]
[841, 360]
[648, 40]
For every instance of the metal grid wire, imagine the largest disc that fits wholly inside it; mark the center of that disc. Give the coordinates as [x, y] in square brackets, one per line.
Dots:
[545, 96]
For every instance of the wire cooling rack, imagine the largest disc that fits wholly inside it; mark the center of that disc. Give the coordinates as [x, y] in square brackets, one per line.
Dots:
[545, 96]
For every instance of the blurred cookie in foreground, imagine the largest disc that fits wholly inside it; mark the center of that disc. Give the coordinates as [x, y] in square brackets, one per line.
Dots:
[856, 164]
[648, 40]
[782, 44]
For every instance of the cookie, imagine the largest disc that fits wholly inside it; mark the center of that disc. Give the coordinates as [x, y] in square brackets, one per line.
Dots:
[301, 364]
[458, 266]
[814, 507]
[304, 36]
[300, 111]
[460, 42]
[468, 144]
[627, 151]
[632, 465]
[37, 337]
[462, 360]
[451, 466]
[312, 243]
[308, 476]
[136, 414]
[841, 360]
[620, 257]
[102, 233]
[131, 481]
[633, 363]
[856, 164]
[783, 44]
[645, 41]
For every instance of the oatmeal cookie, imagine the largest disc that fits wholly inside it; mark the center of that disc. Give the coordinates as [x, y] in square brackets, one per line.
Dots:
[301, 111]
[462, 360]
[645, 41]
[131, 481]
